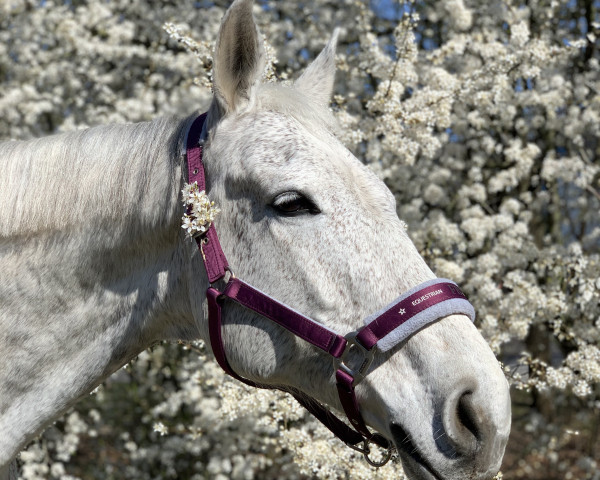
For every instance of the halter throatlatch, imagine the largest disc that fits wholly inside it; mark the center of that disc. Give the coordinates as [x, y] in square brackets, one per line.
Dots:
[352, 354]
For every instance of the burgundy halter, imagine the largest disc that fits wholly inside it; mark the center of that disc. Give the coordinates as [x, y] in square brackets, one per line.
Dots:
[352, 354]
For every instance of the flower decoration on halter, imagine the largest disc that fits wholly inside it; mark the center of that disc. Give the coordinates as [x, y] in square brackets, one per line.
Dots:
[200, 211]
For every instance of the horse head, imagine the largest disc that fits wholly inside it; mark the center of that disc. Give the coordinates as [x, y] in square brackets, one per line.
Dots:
[305, 221]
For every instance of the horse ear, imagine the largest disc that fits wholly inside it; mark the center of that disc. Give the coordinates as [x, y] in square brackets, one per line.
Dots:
[239, 58]
[317, 80]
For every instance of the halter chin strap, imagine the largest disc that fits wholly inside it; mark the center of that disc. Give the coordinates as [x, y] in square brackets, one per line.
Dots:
[351, 354]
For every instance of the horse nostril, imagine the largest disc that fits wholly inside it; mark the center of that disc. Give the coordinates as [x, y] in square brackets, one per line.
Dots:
[463, 423]
[467, 414]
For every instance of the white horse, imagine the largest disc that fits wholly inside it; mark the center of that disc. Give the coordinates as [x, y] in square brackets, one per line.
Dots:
[95, 266]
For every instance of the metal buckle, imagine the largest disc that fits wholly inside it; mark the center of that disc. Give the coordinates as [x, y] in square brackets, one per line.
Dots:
[366, 450]
[358, 369]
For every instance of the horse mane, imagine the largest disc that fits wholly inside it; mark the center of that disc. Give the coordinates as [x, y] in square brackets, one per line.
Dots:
[95, 175]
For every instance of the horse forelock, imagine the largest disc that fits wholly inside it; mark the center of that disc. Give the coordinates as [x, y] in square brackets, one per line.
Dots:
[292, 102]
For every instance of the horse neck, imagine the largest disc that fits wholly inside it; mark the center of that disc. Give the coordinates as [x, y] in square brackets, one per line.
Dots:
[81, 295]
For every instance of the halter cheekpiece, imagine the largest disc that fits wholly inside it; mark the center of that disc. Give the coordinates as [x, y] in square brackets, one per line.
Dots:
[352, 354]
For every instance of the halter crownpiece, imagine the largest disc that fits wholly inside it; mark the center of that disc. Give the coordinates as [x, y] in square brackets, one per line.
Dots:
[352, 354]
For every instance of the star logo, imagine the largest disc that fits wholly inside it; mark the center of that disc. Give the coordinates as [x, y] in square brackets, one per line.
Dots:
[402, 311]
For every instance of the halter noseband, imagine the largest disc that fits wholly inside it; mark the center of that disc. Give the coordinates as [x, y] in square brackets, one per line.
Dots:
[352, 354]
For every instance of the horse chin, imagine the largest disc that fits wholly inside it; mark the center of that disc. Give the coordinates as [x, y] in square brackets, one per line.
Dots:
[420, 464]
[413, 462]
[415, 470]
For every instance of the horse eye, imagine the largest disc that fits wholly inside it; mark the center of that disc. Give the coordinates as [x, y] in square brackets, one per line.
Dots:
[294, 203]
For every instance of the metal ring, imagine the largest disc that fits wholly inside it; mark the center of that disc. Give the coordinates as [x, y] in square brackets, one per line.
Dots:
[231, 274]
[366, 450]
[225, 280]
[386, 458]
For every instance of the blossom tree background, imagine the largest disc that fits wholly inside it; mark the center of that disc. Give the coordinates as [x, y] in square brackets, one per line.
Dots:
[482, 116]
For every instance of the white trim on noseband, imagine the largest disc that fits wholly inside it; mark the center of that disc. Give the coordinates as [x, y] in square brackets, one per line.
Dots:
[421, 319]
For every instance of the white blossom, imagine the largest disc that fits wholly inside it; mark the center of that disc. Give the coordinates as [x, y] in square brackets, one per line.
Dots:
[200, 213]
